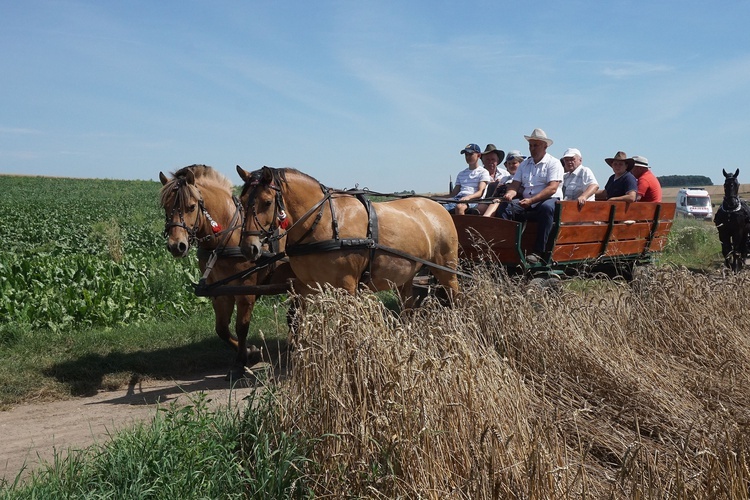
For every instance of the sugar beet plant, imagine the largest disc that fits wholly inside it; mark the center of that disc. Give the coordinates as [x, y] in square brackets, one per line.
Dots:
[81, 253]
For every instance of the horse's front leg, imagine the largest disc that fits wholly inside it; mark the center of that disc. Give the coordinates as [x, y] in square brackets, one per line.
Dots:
[245, 305]
[223, 308]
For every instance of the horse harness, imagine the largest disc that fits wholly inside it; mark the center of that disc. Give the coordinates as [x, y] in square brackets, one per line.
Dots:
[369, 242]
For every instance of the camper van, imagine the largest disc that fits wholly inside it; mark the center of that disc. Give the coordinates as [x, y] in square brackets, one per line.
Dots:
[694, 202]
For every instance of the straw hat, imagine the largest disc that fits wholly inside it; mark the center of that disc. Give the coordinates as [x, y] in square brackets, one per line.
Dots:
[539, 135]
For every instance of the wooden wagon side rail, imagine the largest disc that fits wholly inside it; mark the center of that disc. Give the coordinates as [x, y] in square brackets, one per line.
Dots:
[598, 230]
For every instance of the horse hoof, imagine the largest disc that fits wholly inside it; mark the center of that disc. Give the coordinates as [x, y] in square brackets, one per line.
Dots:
[254, 355]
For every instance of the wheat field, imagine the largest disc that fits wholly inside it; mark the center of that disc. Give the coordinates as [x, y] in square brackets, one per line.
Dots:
[588, 389]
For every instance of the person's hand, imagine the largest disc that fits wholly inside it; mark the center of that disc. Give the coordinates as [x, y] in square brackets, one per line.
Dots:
[525, 203]
[581, 201]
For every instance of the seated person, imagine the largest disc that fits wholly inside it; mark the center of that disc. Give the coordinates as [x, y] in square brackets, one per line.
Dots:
[491, 158]
[470, 182]
[497, 188]
[540, 175]
[649, 188]
[579, 183]
[621, 186]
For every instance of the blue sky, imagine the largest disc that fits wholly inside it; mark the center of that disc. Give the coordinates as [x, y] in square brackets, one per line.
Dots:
[379, 94]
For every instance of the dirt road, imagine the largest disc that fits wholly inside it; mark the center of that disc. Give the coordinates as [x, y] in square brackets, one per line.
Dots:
[32, 433]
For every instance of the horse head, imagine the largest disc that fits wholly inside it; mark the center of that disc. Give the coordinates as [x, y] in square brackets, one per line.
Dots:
[731, 189]
[187, 220]
[264, 208]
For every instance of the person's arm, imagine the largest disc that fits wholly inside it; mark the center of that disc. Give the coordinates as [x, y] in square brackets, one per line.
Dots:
[455, 191]
[590, 189]
[549, 190]
[476, 194]
[629, 197]
[512, 190]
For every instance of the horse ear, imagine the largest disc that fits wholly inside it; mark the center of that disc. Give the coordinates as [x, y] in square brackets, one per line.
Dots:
[163, 179]
[190, 176]
[267, 175]
[737, 173]
[244, 174]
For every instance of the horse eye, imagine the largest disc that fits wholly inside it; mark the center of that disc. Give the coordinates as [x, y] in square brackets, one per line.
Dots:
[267, 204]
[191, 208]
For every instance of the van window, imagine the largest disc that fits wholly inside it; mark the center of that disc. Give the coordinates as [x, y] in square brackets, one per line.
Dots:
[698, 201]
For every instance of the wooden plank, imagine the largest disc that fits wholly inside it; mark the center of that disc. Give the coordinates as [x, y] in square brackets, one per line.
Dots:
[592, 211]
[499, 255]
[626, 247]
[658, 244]
[498, 232]
[576, 252]
[638, 230]
[663, 229]
[667, 211]
[635, 211]
[581, 233]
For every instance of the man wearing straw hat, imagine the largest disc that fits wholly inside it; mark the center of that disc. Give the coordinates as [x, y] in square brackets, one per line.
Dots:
[540, 176]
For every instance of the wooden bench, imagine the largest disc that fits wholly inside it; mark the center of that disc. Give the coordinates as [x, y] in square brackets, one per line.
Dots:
[599, 230]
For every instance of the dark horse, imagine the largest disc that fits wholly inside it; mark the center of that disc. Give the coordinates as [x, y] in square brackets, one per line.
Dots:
[733, 223]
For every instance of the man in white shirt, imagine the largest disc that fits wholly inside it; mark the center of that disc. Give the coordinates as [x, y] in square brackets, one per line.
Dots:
[540, 176]
[470, 182]
[579, 182]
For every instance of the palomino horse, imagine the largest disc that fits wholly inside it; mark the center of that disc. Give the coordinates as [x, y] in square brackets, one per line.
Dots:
[200, 209]
[337, 238]
[732, 221]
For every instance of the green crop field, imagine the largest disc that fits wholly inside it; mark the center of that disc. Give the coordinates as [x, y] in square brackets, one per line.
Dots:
[80, 253]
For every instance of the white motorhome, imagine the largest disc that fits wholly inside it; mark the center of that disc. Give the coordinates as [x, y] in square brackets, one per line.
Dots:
[694, 202]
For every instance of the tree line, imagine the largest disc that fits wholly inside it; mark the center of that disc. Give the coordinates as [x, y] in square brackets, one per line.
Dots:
[684, 180]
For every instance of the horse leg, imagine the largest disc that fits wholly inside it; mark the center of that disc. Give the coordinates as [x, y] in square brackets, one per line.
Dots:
[245, 304]
[725, 236]
[449, 286]
[223, 308]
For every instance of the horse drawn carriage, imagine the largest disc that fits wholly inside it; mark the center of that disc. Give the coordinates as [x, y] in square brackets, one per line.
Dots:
[600, 236]
[341, 238]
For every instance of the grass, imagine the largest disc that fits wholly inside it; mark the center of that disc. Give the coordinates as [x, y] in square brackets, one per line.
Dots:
[39, 365]
[185, 452]
[694, 244]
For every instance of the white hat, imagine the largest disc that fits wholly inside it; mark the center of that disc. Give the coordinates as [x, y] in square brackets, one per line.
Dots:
[514, 153]
[640, 161]
[571, 152]
[539, 135]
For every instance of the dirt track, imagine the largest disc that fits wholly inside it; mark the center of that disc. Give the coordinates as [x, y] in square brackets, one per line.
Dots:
[31, 433]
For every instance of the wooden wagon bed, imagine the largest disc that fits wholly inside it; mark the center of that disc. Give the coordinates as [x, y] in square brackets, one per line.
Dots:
[599, 233]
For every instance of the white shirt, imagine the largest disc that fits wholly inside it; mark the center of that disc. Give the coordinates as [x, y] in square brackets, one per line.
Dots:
[500, 174]
[469, 180]
[534, 177]
[575, 183]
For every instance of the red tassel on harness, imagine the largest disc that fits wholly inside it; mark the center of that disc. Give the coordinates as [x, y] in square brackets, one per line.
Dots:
[215, 227]
[283, 220]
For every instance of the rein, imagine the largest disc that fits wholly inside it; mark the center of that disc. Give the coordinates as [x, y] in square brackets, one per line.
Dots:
[370, 242]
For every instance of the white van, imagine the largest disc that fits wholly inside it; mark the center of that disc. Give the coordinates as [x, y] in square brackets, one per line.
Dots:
[694, 202]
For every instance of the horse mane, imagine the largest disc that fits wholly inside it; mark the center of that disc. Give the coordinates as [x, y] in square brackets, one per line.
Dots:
[203, 175]
[273, 176]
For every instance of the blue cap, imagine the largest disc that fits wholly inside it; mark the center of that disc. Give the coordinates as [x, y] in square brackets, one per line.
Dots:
[471, 148]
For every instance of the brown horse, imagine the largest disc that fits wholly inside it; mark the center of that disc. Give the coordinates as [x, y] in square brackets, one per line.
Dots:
[201, 210]
[337, 238]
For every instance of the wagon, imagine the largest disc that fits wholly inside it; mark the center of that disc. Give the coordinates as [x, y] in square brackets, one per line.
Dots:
[600, 236]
